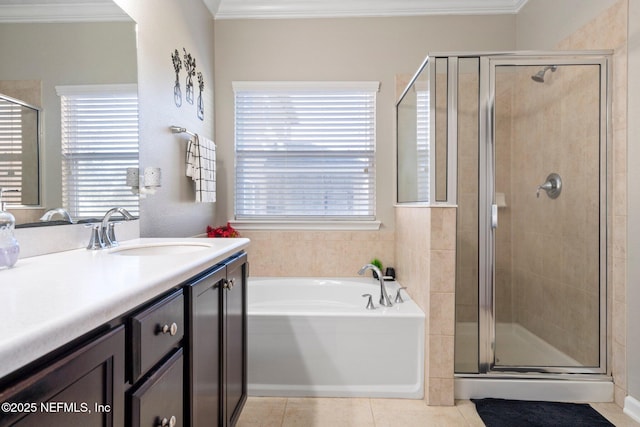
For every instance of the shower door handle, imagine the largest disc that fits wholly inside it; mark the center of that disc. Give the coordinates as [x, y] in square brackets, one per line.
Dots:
[494, 216]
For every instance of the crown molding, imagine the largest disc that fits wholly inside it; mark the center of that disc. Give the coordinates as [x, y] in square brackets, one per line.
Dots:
[62, 12]
[282, 9]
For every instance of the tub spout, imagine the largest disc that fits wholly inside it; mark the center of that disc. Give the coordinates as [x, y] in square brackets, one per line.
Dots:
[384, 297]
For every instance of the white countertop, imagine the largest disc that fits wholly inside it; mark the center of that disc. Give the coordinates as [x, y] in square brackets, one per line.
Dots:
[47, 301]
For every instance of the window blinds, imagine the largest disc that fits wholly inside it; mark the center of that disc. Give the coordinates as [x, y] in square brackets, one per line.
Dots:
[99, 142]
[305, 150]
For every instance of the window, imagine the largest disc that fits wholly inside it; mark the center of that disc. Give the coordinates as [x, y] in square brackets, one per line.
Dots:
[99, 143]
[305, 151]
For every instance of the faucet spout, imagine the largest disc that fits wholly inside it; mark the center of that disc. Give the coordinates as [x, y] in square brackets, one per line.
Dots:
[108, 230]
[384, 297]
[57, 211]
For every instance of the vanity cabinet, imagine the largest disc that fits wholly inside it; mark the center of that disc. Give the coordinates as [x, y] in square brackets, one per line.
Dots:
[155, 363]
[216, 342]
[177, 360]
[82, 388]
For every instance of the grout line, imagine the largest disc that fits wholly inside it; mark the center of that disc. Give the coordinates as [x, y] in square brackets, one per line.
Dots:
[284, 413]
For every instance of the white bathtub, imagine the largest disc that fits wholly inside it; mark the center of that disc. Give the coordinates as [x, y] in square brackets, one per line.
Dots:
[314, 337]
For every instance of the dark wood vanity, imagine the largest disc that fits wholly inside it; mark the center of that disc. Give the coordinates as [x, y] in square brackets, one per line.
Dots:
[176, 360]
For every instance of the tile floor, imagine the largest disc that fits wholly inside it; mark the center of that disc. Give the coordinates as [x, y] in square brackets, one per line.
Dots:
[356, 412]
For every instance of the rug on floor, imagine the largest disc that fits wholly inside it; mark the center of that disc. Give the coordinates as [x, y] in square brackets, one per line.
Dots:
[525, 413]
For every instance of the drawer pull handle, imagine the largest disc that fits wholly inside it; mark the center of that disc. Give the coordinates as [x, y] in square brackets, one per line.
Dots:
[170, 329]
[171, 422]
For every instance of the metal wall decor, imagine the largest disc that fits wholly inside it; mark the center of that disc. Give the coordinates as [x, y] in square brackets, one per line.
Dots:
[177, 66]
[188, 62]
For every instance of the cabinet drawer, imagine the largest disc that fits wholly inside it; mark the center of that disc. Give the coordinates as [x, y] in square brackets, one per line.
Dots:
[159, 400]
[154, 332]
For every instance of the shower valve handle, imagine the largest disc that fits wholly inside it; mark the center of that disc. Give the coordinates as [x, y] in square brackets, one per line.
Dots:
[552, 186]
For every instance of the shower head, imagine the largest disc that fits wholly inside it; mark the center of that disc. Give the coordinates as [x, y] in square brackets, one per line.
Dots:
[539, 76]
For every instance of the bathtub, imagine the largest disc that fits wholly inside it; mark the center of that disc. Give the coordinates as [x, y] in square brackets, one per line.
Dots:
[315, 337]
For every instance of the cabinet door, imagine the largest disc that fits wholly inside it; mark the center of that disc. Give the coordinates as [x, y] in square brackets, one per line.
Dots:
[159, 399]
[84, 388]
[235, 339]
[203, 343]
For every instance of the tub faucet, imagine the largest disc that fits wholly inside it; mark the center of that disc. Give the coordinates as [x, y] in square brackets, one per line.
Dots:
[107, 229]
[384, 298]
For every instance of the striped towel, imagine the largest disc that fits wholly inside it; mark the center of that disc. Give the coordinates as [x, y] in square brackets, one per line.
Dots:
[201, 167]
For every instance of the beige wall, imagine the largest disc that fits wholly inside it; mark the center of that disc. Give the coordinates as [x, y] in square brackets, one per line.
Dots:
[336, 49]
[161, 29]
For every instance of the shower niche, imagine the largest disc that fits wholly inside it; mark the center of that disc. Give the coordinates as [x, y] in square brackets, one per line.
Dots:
[498, 135]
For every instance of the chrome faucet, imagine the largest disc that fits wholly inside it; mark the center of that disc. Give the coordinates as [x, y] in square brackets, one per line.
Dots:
[107, 229]
[103, 234]
[384, 298]
[57, 211]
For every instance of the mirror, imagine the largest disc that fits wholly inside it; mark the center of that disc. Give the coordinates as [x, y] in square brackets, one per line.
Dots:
[85, 49]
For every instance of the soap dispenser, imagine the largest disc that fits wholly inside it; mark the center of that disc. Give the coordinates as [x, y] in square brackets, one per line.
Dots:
[9, 248]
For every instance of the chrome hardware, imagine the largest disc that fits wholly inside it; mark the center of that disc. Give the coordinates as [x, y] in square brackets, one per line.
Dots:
[171, 422]
[552, 186]
[57, 211]
[494, 216]
[370, 305]
[106, 230]
[384, 297]
[170, 329]
[96, 238]
[229, 284]
[398, 299]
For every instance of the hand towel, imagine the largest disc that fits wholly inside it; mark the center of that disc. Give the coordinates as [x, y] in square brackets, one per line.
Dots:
[201, 167]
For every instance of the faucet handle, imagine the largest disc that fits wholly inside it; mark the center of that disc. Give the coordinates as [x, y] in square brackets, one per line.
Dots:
[398, 298]
[111, 234]
[370, 305]
[96, 239]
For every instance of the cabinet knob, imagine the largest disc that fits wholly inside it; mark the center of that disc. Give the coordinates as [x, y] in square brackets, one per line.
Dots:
[171, 422]
[229, 284]
[170, 329]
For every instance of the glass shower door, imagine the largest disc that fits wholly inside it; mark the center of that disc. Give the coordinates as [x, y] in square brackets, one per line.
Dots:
[548, 214]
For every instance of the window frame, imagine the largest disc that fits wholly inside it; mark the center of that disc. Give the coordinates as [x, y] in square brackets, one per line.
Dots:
[310, 222]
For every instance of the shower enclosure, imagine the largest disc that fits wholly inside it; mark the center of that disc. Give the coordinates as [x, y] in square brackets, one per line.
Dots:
[518, 141]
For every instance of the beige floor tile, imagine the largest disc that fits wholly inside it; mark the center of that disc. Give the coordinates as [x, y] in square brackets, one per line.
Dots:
[328, 412]
[409, 413]
[468, 411]
[262, 412]
[614, 413]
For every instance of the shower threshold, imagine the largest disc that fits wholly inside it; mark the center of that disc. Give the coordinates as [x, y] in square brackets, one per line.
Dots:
[516, 346]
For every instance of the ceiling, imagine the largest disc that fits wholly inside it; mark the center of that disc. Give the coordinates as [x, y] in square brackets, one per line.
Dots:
[106, 10]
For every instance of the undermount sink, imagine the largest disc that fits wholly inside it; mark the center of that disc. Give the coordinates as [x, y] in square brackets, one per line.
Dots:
[161, 249]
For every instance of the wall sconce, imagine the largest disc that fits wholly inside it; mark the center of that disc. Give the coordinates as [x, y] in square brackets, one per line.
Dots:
[148, 183]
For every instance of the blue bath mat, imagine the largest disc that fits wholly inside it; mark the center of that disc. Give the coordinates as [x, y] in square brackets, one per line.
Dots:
[525, 413]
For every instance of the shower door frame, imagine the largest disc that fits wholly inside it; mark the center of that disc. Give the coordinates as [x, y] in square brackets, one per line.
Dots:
[488, 212]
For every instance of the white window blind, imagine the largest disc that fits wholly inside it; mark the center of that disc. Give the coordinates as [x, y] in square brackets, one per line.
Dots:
[423, 145]
[99, 143]
[305, 150]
